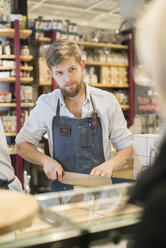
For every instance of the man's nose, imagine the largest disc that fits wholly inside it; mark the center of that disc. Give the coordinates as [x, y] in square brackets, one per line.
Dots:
[68, 77]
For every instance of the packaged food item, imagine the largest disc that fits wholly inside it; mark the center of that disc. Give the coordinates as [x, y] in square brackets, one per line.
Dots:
[5, 97]
[84, 55]
[105, 76]
[39, 34]
[114, 75]
[25, 50]
[47, 25]
[6, 48]
[72, 27]
[57, 24]
[26, 93]
[39, 24]
[42, 75]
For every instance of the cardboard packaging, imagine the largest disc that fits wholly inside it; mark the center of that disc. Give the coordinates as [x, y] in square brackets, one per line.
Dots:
[146, 148]
[42, 75]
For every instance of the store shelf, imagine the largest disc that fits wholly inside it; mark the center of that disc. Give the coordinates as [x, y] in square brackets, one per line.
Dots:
[98, 63]
[39, 84]
[25, 68]
[25, 58]
[95, 45]
[13, 79]
[100, 85]
[10, 133]
[4, 56]
[9, 32]
[12, 152]
[125, 107]
[13, 105]
[42, 39]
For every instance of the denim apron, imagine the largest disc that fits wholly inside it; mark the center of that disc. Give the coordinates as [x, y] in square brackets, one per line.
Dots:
[77, 144]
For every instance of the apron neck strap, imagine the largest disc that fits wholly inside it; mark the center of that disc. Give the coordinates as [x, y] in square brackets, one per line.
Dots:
[94, 117]
[57, 114]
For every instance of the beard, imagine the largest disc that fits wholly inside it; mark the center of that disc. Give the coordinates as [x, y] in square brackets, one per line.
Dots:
[73, 91]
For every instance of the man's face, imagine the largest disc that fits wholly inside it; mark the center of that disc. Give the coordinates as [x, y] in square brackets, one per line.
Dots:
[69, 76]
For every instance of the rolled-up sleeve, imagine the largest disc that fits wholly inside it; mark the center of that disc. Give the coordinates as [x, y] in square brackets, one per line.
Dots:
[34, 127]
[120, 136]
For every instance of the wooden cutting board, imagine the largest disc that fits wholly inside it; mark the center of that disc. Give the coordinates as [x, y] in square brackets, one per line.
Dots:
[17, 209]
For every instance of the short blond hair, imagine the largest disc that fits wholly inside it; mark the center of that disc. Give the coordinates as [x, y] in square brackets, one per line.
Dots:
[62, 50]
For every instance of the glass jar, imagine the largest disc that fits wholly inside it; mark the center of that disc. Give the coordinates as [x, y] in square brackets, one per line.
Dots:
[24, 50]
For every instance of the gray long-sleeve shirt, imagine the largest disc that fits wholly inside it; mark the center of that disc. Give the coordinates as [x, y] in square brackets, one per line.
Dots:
[6, 169]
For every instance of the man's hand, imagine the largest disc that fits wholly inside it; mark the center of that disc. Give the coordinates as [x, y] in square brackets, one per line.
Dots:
[121, 158]
[103, 170]
[53, 169]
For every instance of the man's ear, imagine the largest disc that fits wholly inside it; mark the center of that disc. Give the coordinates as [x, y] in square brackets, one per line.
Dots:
[49, 71]
[82, 64]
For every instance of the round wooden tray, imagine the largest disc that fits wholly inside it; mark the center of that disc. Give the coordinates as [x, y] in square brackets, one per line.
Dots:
[17, 209]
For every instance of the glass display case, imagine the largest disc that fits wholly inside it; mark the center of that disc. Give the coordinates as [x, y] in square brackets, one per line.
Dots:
[78, 218]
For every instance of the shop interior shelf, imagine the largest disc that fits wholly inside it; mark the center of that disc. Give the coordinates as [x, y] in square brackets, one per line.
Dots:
[25, 68]
[13, 79]
[98, 63]
[12, 152]
[124, 107]
[10, 133]
[9, 32]
[93, 44]
[13, 105]
[43, 39]
[101, 85]
[25, 58]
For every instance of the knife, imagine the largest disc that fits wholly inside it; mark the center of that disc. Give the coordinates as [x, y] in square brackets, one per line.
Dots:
[84, 180]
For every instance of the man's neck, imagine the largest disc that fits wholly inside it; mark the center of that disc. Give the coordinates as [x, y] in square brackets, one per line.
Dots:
[79, 98]
[74, 104]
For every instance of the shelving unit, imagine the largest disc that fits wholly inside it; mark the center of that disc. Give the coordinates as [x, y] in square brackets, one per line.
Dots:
[10, 33]
[98, 63]
[105, 45]
[25, 68]
[25, 58]
[101, 85]
[10, 133]
[13, 105]
[13, 80]
[16, 34]
[12, 153]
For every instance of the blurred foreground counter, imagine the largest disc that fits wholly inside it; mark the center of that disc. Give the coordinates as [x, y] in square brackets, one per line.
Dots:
[79, 218]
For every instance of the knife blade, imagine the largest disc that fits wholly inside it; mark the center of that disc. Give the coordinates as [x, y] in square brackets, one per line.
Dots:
[84, 180]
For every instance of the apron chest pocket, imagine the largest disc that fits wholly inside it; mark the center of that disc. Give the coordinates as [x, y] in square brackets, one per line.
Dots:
[85, 138]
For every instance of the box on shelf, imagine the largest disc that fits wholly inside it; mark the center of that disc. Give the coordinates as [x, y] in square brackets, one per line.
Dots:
[146, 148]
[42, 75]
[105, 76]
[26, 93]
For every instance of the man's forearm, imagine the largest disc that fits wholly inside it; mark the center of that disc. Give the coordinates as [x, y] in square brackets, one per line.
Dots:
[30, 153]
[121, 158]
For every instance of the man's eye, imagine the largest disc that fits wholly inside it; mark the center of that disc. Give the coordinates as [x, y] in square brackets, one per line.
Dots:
[72, 69]
[59, 73]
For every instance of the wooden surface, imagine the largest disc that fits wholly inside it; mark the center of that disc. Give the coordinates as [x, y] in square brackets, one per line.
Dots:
[16, 210]
[9, 32]
[97, 44]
